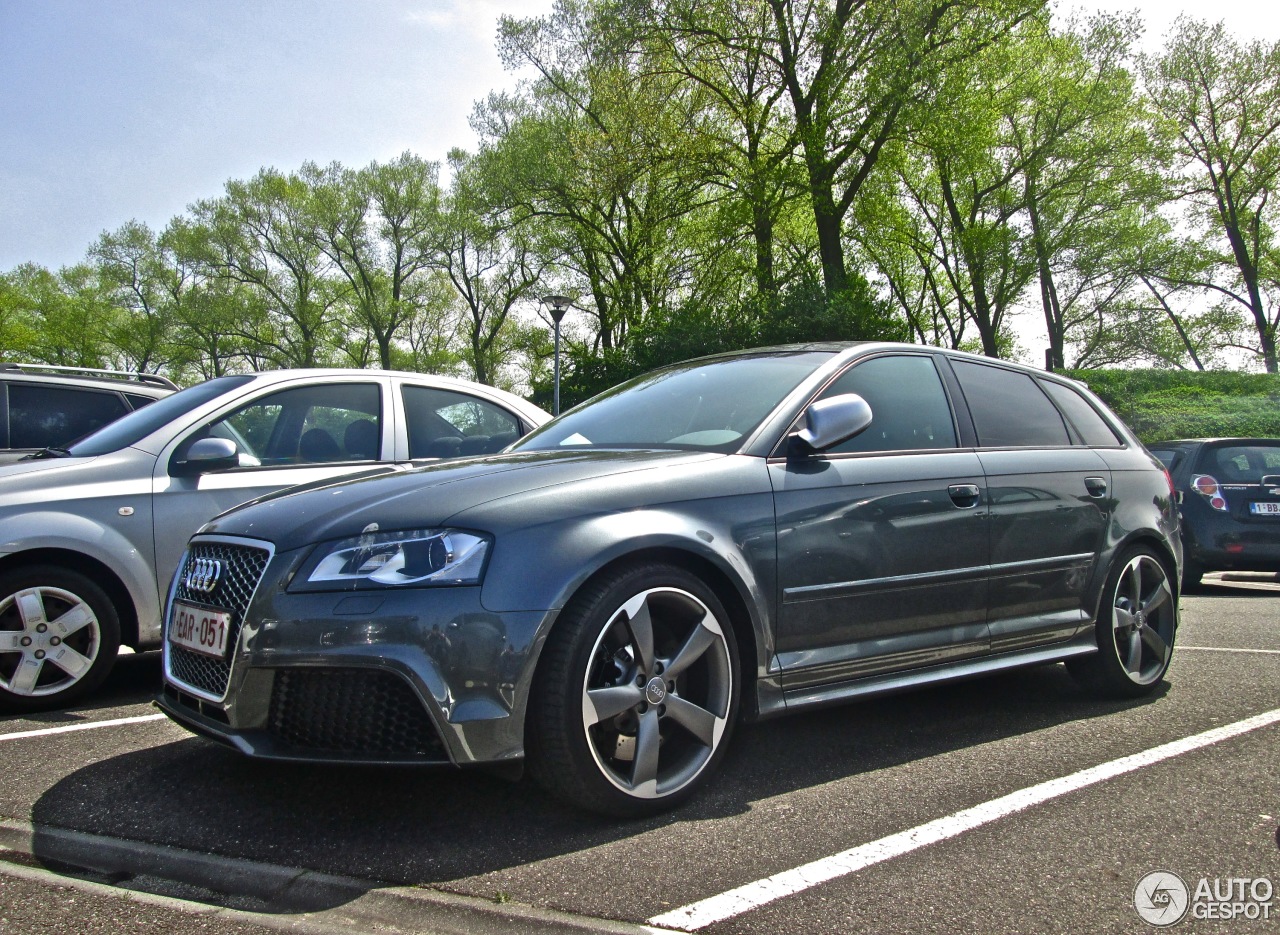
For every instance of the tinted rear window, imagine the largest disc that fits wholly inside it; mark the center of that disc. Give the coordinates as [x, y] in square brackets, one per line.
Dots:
[1239, 464]
[1088, 423]
[1009, 409]
[42, 415]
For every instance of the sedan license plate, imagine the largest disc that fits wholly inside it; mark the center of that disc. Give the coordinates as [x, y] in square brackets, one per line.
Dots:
[200, 629]
[1265, 508]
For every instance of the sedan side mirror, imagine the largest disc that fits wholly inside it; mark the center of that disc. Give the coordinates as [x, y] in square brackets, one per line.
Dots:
[828, 422]
[205, 456]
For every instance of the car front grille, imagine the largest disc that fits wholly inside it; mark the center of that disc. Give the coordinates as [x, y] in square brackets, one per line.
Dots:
[242, 568]
[368, 714]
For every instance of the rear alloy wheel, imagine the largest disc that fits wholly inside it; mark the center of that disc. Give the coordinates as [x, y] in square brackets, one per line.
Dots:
[59, 635]
[1136, 628]
[636, 693]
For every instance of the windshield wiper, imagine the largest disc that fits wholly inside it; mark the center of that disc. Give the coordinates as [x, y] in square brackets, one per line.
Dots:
[50, 452]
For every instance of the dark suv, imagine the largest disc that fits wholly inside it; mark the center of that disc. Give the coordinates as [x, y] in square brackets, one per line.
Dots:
[1229, 492]
[50, 407]
[738, 536]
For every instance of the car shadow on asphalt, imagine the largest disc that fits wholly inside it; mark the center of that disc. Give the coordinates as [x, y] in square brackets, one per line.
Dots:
[411, 826]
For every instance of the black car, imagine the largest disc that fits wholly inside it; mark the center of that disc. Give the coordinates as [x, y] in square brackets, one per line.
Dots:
[739, 536]
[50, 407]
[1229, 492]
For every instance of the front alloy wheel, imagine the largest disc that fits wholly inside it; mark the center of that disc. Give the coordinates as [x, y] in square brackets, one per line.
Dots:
[652, 656]
[58, 637]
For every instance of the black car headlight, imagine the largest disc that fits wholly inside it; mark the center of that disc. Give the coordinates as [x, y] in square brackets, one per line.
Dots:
[411, 558]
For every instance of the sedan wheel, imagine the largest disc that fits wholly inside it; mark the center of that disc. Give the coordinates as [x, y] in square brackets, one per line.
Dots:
[636, 694]
[1136, 629]
[58, 638]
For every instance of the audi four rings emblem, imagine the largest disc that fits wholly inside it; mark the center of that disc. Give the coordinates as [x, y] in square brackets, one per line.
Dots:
[203, 575]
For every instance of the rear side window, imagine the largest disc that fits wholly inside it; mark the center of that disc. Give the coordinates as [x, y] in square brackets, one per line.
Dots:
[445, 424]
[908, 405]
[1009, 409]
[1091, 426]
[42, 416]
[137, 401]
[1168, 458]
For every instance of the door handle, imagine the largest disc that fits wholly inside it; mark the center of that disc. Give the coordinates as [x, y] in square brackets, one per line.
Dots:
[965, 496]
[1096, 486]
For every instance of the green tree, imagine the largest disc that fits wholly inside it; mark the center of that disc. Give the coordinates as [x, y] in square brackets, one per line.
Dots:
[67, 312]
[491, 268]
[135, 276]
[379, 226]
[598, 160]
[854, 71]
[263, 233]
[1222, 99]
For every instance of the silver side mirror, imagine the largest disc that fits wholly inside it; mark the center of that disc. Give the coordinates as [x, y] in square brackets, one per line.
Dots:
[207, 455]
[828, 422]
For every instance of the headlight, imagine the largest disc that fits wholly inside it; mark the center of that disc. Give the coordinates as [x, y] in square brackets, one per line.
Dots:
[415, 557]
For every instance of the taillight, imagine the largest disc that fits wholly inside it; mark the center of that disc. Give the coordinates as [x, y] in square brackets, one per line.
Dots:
[1168, 479]
[1208, 488]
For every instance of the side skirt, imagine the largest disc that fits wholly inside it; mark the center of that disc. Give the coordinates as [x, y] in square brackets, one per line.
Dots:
[773, 703]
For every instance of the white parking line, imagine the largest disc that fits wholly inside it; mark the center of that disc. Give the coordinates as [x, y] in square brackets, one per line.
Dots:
[91, 725]
[1223, 649]
[753, 895]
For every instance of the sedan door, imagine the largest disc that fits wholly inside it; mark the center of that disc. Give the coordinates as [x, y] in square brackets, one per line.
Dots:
[882, 540]
[286, 436]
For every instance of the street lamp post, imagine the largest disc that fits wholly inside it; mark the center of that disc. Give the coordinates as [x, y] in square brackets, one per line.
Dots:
[558, 305]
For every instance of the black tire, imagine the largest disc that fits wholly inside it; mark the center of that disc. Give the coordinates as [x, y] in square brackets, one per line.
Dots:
[657, 728]
[59, 635]
[1136, 626]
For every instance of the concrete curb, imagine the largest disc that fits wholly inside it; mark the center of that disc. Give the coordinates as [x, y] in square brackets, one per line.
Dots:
[293, 897]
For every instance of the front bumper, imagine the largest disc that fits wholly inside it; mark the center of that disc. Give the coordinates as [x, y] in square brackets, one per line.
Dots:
[407, 676]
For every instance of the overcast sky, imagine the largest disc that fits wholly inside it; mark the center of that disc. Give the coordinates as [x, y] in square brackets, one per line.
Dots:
[120, 109]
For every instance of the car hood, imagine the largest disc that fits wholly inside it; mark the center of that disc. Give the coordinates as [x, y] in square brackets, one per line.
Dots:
[428, 496]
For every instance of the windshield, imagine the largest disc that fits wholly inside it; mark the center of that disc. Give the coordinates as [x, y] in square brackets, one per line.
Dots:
[137, 425]
[708, 405]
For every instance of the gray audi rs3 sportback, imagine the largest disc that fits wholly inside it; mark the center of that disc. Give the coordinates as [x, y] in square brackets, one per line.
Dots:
[733, 537]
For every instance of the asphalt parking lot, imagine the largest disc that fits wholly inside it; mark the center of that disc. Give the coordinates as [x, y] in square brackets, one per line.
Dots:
[1010, 804]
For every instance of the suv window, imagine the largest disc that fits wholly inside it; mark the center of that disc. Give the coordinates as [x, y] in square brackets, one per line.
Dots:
[306, 425]
[444, 424]
[1009, 409]
[1091, 427]
[41, 415]
[908, 404]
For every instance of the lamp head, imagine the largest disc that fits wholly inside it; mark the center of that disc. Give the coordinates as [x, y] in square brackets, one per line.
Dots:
[558, 304]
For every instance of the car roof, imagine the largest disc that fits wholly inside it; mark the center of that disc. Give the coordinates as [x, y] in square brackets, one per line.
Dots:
[145, 384]
[521, 405]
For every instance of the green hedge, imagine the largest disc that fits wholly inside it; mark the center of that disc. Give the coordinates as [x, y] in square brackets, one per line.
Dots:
[1161, 404]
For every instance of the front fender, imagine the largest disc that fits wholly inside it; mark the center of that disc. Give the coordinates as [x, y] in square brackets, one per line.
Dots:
[129, 560]
[540, 568]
